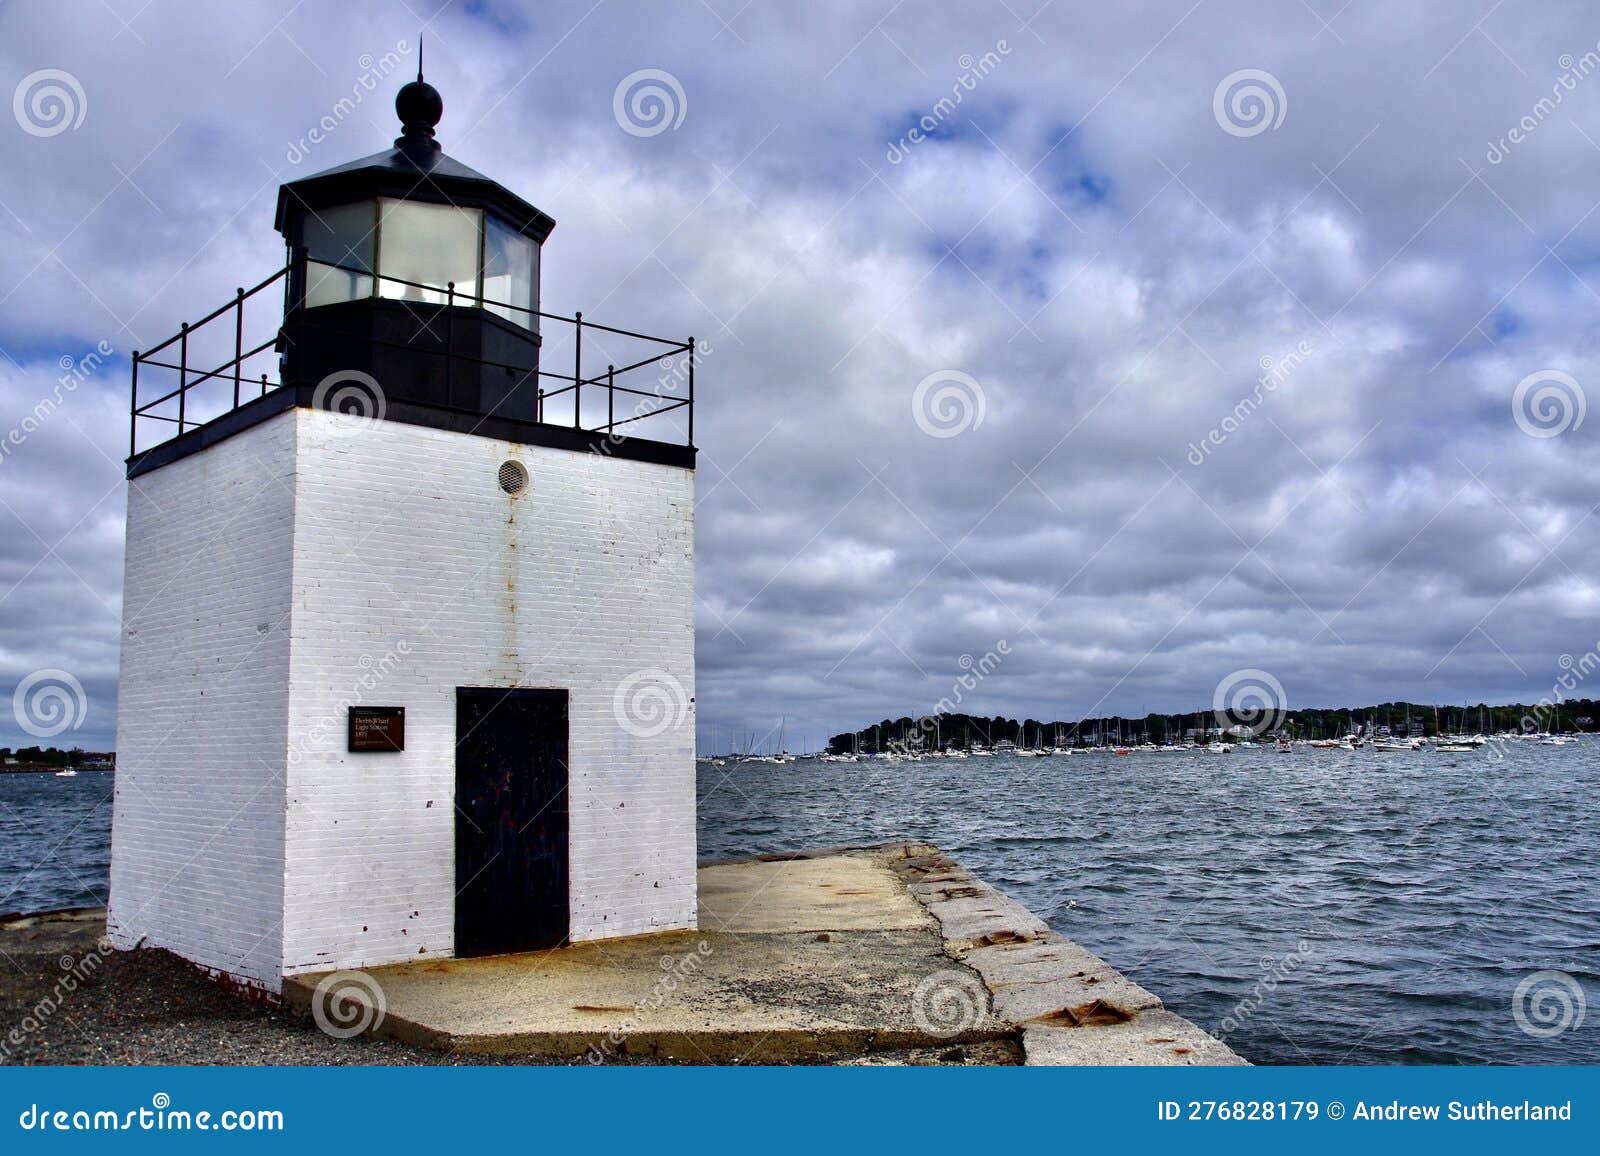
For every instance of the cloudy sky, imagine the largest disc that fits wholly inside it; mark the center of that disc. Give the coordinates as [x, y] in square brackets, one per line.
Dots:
[1176, 340]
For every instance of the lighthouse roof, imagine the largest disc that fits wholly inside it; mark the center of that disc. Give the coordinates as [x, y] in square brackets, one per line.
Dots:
[415, 169]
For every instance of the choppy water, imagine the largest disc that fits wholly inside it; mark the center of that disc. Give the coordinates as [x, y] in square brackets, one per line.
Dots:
[1317, 907]
[55, 841]
[1336, 906]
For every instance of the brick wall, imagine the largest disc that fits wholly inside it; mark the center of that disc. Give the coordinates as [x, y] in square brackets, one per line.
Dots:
[246, 837]
[415, 574]
[202, 719]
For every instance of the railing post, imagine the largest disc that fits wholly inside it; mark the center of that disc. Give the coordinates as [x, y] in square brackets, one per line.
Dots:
[263, 385]
[449, 343]
[691, 393]
[183, 371]
[238, 341]
[611, 397]
[577, 373]
[133, 410]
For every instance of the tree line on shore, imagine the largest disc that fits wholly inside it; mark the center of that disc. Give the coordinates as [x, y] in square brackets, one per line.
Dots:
[1408, 719]
[49, 758]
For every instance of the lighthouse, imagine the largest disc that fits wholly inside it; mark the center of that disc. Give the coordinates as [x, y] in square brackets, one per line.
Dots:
[408, 653]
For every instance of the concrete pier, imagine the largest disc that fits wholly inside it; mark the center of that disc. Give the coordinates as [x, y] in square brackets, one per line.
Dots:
[819, 957]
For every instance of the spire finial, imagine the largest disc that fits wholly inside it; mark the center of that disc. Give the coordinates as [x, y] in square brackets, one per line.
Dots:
[419, 107]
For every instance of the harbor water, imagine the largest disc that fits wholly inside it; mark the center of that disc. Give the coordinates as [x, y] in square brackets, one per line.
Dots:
[1316, 906]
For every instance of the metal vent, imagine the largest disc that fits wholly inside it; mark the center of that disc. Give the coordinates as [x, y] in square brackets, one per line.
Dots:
[513, 477]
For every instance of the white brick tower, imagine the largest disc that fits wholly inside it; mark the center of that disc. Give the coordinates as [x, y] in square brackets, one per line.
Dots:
[408, 657]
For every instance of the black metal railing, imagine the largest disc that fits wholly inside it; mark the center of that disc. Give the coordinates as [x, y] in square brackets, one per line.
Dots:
[234, 382]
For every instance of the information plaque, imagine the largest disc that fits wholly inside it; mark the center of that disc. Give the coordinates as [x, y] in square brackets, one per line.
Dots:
[377, 728]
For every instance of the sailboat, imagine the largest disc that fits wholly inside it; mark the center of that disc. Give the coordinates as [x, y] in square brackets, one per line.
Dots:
[1556, 738]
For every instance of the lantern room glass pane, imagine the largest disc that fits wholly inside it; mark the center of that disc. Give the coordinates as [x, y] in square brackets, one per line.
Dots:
[339, 242]
[431, 245]
[510, 273]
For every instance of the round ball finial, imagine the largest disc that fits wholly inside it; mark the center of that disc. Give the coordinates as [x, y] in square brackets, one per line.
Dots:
[419, 106]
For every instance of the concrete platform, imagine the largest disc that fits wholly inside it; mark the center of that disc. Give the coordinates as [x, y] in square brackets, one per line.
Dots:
[820, 957]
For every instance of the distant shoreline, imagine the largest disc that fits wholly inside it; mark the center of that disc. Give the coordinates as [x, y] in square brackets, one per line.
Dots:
[50, 769]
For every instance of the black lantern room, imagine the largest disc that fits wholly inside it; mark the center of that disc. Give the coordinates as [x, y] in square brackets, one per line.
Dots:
[411, 267]
[420, 275]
